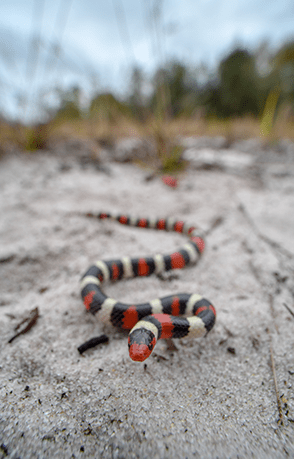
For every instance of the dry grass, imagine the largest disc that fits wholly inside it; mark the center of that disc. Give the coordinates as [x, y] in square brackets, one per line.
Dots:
[99, 129]
[164, 133]
[233, 129]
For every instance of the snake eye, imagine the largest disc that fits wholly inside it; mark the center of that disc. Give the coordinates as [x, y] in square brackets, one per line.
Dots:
[151, 346]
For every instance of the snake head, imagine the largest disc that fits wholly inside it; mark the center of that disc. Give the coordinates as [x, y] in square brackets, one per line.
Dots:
[141, 344]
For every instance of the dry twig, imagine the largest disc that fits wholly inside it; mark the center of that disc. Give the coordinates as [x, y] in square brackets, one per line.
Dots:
[27, 323]
[93, 342]
[289, 310]
[214, 224]
[281, 418]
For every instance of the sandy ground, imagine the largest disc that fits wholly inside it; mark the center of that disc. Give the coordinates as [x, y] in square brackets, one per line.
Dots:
[211, 398]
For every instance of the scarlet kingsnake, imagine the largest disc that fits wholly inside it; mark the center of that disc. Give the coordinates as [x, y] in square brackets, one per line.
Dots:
[156, 319]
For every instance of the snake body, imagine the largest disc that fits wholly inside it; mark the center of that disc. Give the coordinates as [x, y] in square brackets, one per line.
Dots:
[158, 318]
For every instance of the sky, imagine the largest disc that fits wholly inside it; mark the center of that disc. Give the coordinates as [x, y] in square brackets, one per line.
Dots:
[95, 43]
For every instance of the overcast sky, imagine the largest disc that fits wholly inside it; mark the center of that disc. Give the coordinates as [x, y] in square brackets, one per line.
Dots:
[105, 38]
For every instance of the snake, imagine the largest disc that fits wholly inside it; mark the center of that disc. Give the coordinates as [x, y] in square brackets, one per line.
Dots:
[175, 316]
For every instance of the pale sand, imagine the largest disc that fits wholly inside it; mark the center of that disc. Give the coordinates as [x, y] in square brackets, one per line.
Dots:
[213, 397]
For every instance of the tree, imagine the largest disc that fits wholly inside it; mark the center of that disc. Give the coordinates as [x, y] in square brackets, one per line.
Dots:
[238, 89]
[107, 108]
[70, 106]
[174, 89]
[283, 69]
[235, 91]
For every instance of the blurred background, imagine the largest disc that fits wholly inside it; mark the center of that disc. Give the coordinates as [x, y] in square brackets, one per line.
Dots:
[127, 67]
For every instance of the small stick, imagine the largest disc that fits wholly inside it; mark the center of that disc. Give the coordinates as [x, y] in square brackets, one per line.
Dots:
[171, 345]
[29, 321]
[281, 419]
[269, 295]
[290, 310]
[272, 309]
[214, 224]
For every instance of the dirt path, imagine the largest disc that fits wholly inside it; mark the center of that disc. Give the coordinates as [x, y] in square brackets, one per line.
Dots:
[213, 397]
